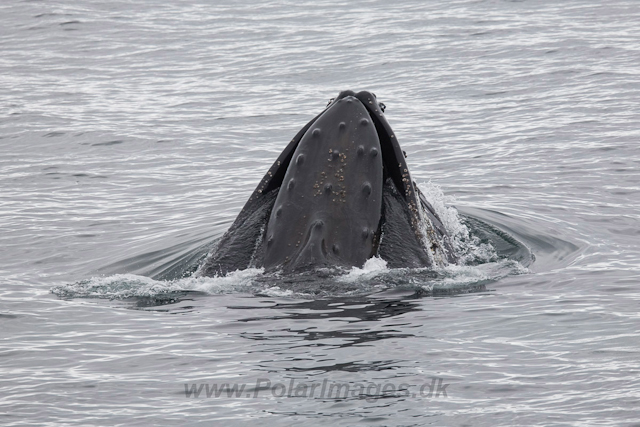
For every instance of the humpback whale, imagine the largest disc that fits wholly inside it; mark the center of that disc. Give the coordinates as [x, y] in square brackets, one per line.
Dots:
[338, 194]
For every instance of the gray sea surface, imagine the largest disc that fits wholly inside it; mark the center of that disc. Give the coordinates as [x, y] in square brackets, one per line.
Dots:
[132, 133]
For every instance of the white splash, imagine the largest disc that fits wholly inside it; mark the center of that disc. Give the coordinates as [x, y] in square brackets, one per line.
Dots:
[467, 246]
[371, 268]
[123, 286]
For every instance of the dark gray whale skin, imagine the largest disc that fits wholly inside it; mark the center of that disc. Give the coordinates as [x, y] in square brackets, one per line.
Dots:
[338, 194]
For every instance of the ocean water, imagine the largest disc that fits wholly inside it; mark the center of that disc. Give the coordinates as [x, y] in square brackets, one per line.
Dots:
[132, 133]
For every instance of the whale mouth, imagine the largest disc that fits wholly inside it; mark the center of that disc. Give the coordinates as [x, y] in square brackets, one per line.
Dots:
[329, 209]
[338, 194]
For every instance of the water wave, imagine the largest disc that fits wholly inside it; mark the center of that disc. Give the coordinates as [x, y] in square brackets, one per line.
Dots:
[480, 264]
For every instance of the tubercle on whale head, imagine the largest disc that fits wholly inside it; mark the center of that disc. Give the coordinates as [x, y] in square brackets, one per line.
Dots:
[371, 100]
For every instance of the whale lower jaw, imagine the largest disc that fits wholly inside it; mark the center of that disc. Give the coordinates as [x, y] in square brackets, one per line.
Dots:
[339, 194]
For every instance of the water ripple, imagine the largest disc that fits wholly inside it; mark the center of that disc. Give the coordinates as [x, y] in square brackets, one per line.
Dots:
[132, 133]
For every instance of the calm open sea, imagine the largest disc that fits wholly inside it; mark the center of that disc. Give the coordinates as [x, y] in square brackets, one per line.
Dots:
[132, 133]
